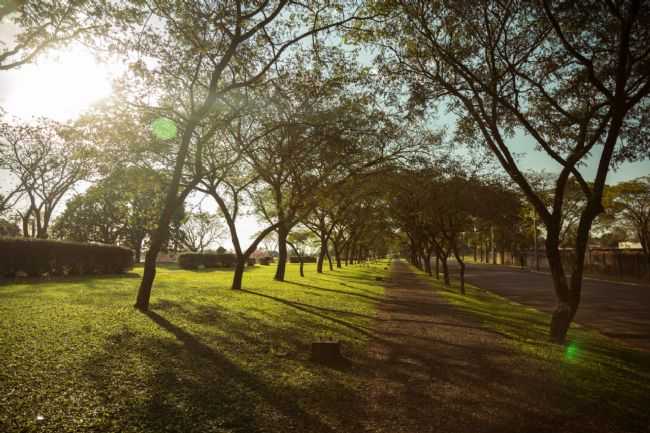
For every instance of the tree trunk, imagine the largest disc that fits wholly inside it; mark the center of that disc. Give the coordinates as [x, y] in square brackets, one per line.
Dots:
[297, 253]
[321, 255]
[561, 318]
[427, 263]
[445, 271]
[437, 266]
[329, 259]
[239, 272]
[282, 254]
[461, 264]
[337, 253]
[149, 272]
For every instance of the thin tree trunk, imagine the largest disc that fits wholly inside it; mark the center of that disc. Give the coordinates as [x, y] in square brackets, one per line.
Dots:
[297, 253]
[461, 264]
[282, 253]
[437, 266]
[427, 263]
[329, 259]
[445, 271]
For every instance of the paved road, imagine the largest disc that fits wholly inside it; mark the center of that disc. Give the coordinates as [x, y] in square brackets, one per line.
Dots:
[615, 309]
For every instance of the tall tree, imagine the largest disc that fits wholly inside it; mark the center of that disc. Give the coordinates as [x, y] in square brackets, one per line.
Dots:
[202, 52]
[570, 75]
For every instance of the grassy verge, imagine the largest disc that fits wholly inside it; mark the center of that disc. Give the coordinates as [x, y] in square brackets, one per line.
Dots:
[595, 373]
[77, 357]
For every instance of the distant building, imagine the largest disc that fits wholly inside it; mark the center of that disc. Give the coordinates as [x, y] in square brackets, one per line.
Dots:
[629, 245]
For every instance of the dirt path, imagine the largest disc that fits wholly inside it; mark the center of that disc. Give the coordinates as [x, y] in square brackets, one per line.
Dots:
[439, 371]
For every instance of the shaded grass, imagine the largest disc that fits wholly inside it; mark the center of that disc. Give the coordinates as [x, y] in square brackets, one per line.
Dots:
[78, 357]
[594, 372]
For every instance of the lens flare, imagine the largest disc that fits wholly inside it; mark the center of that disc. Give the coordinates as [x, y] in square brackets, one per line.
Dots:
[571, 351]
[163, 128]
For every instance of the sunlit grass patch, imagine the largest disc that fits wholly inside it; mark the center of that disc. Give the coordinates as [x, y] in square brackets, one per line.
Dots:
[77, 355]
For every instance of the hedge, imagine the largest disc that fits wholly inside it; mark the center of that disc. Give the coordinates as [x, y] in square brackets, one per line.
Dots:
[305, 259]
[265, 260]
[208, 260]
[38, 257]
[251, 261]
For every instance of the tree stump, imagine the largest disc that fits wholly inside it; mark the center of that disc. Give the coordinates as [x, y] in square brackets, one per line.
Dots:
[326, 352]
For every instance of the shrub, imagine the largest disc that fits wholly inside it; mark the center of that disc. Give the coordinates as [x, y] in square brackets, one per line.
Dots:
[251, 261]
[209, 260]
[190, 260]
[36, 257]
[216, 260]
[305, 259]
[266, 260]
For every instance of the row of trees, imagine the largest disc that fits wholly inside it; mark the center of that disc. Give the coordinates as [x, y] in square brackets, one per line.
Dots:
[252, 106]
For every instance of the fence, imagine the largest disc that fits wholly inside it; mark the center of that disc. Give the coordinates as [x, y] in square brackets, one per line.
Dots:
[628, 264]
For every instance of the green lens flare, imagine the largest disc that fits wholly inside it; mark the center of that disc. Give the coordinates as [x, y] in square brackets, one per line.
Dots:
[163, 128]
[571, 351]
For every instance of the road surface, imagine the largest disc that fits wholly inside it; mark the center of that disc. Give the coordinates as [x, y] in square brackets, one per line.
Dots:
[618, 310]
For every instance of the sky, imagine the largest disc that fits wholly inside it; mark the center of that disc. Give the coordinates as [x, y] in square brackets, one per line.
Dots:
[62, 84]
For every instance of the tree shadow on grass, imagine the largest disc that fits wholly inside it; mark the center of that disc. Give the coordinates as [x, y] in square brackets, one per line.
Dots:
[189, 386]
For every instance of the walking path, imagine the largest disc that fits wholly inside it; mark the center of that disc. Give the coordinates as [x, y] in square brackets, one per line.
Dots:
[615, 309]
[440, 371]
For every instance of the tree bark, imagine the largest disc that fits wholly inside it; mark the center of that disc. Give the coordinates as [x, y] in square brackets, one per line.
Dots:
[321, 255]
[445, 271]
[282, 253]
[239, 273]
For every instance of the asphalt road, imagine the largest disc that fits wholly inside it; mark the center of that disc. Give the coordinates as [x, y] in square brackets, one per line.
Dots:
[615, 309]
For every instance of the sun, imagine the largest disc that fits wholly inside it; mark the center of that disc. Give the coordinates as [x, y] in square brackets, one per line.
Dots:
[60, 85]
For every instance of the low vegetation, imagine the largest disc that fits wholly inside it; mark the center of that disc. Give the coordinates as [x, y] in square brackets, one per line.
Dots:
[204, 358]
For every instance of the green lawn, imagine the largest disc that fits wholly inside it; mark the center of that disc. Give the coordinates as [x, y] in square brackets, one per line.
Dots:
[77, 357]
[594, 372]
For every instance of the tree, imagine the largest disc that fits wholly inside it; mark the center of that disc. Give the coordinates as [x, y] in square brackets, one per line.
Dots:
[571, 76]
[630, 201]
[204, 51]
[200, 230]
[47, 166]
[42, 25]
[120, 209]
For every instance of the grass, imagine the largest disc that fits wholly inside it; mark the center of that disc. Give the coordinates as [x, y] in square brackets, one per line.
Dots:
[594, 372]
[77, 357]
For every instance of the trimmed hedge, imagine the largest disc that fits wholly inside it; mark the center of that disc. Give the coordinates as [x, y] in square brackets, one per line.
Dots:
[251, 261]
[265, 260]
[37, 257]
[305, 259]
[209, 260]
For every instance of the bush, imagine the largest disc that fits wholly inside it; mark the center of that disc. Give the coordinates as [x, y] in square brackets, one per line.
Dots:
[209, 260]
[190, 260]
[215, 260]
[36, 257]
[265, 260]
[305, 259]
[251, 261]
